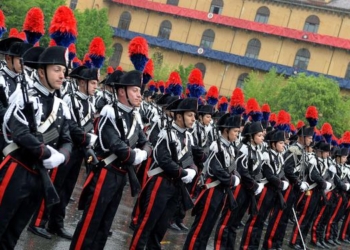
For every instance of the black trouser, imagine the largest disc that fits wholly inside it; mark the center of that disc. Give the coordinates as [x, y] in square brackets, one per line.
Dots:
[20, 192]
[225, 235]
[158, 202]
[345, 227]
[207, 210]
[341, 202]
[102, 194]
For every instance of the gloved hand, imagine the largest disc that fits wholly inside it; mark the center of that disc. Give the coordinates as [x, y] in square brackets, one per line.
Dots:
[237, 181]
[328, 186]
[333, 169]
[54, 160]
[190, 175]
[347, 185]
[304, 186]
[140, 156]
[260, 188]
[285, 185]
[92, 140]
[214, 147]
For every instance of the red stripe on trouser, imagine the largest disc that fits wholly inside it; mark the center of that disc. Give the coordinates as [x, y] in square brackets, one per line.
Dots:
[224, 223]
[204, 214]
[301, 197]
[53, 174]
[92, 207]
[278, 218]
[3, 163]
[295, 233]
[251, 226]
[145, 174]
[88, 179]
[147, 214]
[7, 179]
[346, 226]
[328, 233]
[314, 227]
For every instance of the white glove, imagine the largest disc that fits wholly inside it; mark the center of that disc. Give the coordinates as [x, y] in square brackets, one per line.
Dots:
[333, 169]
[347, 185]
[140, 156]
[237, 181]
[214, 147]
[328, 186]
[54, 160]
[93, 139]
[190, 175]
[304, 186]
[285, 185]
[260, 188]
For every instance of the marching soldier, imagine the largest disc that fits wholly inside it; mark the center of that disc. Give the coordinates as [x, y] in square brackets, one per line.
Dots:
[39, 142]
[122, 145]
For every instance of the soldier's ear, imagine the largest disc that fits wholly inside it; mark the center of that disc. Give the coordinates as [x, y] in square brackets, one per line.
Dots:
[41, 72]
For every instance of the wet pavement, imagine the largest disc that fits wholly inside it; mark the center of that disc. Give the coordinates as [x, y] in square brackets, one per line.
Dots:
[122, 235]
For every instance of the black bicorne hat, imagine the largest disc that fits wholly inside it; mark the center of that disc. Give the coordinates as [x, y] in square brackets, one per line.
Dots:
[17, 49]
[217, 114]
[278, 135]
[114, 78]
[228, 121]
[306, 131]
[5, 44]
[131, 78]
[188, 104]
[342, 152]
[166, 99]
[323, 146]
[265, 124]
[55, 55]
[173, 105]
[147, 93]
[84, 73]
[31, 56]
[205, 109]
[255, 127]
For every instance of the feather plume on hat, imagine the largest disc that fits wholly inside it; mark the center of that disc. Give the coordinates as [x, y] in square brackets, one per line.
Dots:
[266, 111]
[110, 70]
[119, 68]
[33, 25]
[76, 62]
[283, 121]
[223, 104]
[212, 96]
[138, 52]
[152, 86]
[97, 51]
[72, 51]
[335, 141]
[161, 86]
[63, 27]
[273, 119]
[87, 61]
[253, 110]
[345, 140]
[237, 102]
[292, 129]
[195, 84]
[2, 23]
[311, 116]
[327, 132]
[174, 86]
[13, 32]
[300, 124]
[148, 72]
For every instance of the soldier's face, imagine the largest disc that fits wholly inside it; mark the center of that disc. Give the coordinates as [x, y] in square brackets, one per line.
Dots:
[206, 119]
[343, 159]
[13, 63]
[55, 75]
[134, 94]
[258, 138]
[189, 118]
[325, 155]
[233, 134]
[307, 140]
[280, 146]
[92, 87]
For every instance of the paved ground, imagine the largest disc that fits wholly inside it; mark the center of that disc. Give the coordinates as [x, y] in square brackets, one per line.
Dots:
[121, 237]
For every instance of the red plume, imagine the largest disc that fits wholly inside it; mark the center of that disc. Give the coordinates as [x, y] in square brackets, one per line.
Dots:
[34, 21]
[2, 19]
[346, 137]
[283, 118]
[213, 92]
[252, 106]
[52, 43]
[237, 98]
[97, 47]
[326, 129]
[37, 44]
[273, 118]
[195, 77]
[71, 48]
[174, 78]
[161, 83]
[22, 35]
[265, 108]
[300, 124]
[149, 68]
[13, 32]
[311, 112]
[119, 68]
[138, 45]
[292, 128]
[110, 70]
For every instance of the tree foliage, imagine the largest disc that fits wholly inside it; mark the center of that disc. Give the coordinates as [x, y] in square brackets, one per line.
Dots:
[296, 93]
[184, 73]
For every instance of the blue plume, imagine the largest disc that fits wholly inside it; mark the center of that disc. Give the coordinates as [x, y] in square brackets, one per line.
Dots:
[266, 116]
[212, 101]
[237, 110]
[174, 89]
[63, 39]
[146, 78]
[32, 37]
[161, 88]
[223, 107]
[2, 31]
[256, 116]
[97, 61]
[195, 90]
[328, 138]
[312, 122]
[334, 143]
[284, 127]
[153, 88]
[139, 61]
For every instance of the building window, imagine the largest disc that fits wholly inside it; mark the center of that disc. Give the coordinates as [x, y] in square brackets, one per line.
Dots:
[262, 15]
[216, 6]
[311, 24]
[347, 75]
[253, 48]
[207, 39]
[173, 2]
[124, 21]
[302, 59]
[117, 54]
[201, 67]
[240, 80]
[165, 29]
[157, 59]
[73, 4]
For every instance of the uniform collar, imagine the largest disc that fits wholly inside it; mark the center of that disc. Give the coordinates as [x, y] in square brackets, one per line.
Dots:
[181, 130]
[9, 72]
[42, 89]
[82, 95]
[124, 107]
[224, 141]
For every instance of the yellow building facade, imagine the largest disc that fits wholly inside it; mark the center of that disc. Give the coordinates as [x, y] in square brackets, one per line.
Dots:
[228, 39]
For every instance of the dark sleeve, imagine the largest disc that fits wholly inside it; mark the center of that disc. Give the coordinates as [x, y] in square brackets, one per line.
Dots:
[65, 142]
[246, 179]
[143, 143]
[79, 137]
[270, 176]
[100, 103]
[21, 136]
[115, 144]
[316, 177]
[339, 183]
[220, 173]
[289, 166]
[2, 112]
[163, 157]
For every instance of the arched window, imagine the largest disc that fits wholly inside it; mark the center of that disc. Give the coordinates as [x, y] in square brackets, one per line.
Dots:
[262, 15]
[165, 29]
[347, 74]
[311, 24]
[73, 4]
[157, 59]
[240, 80]
[253, 48]
[173, 2]
[117, 54]
[302, 59]
[207, 39]
[201, 67]
[216, 6]
[124, 21]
